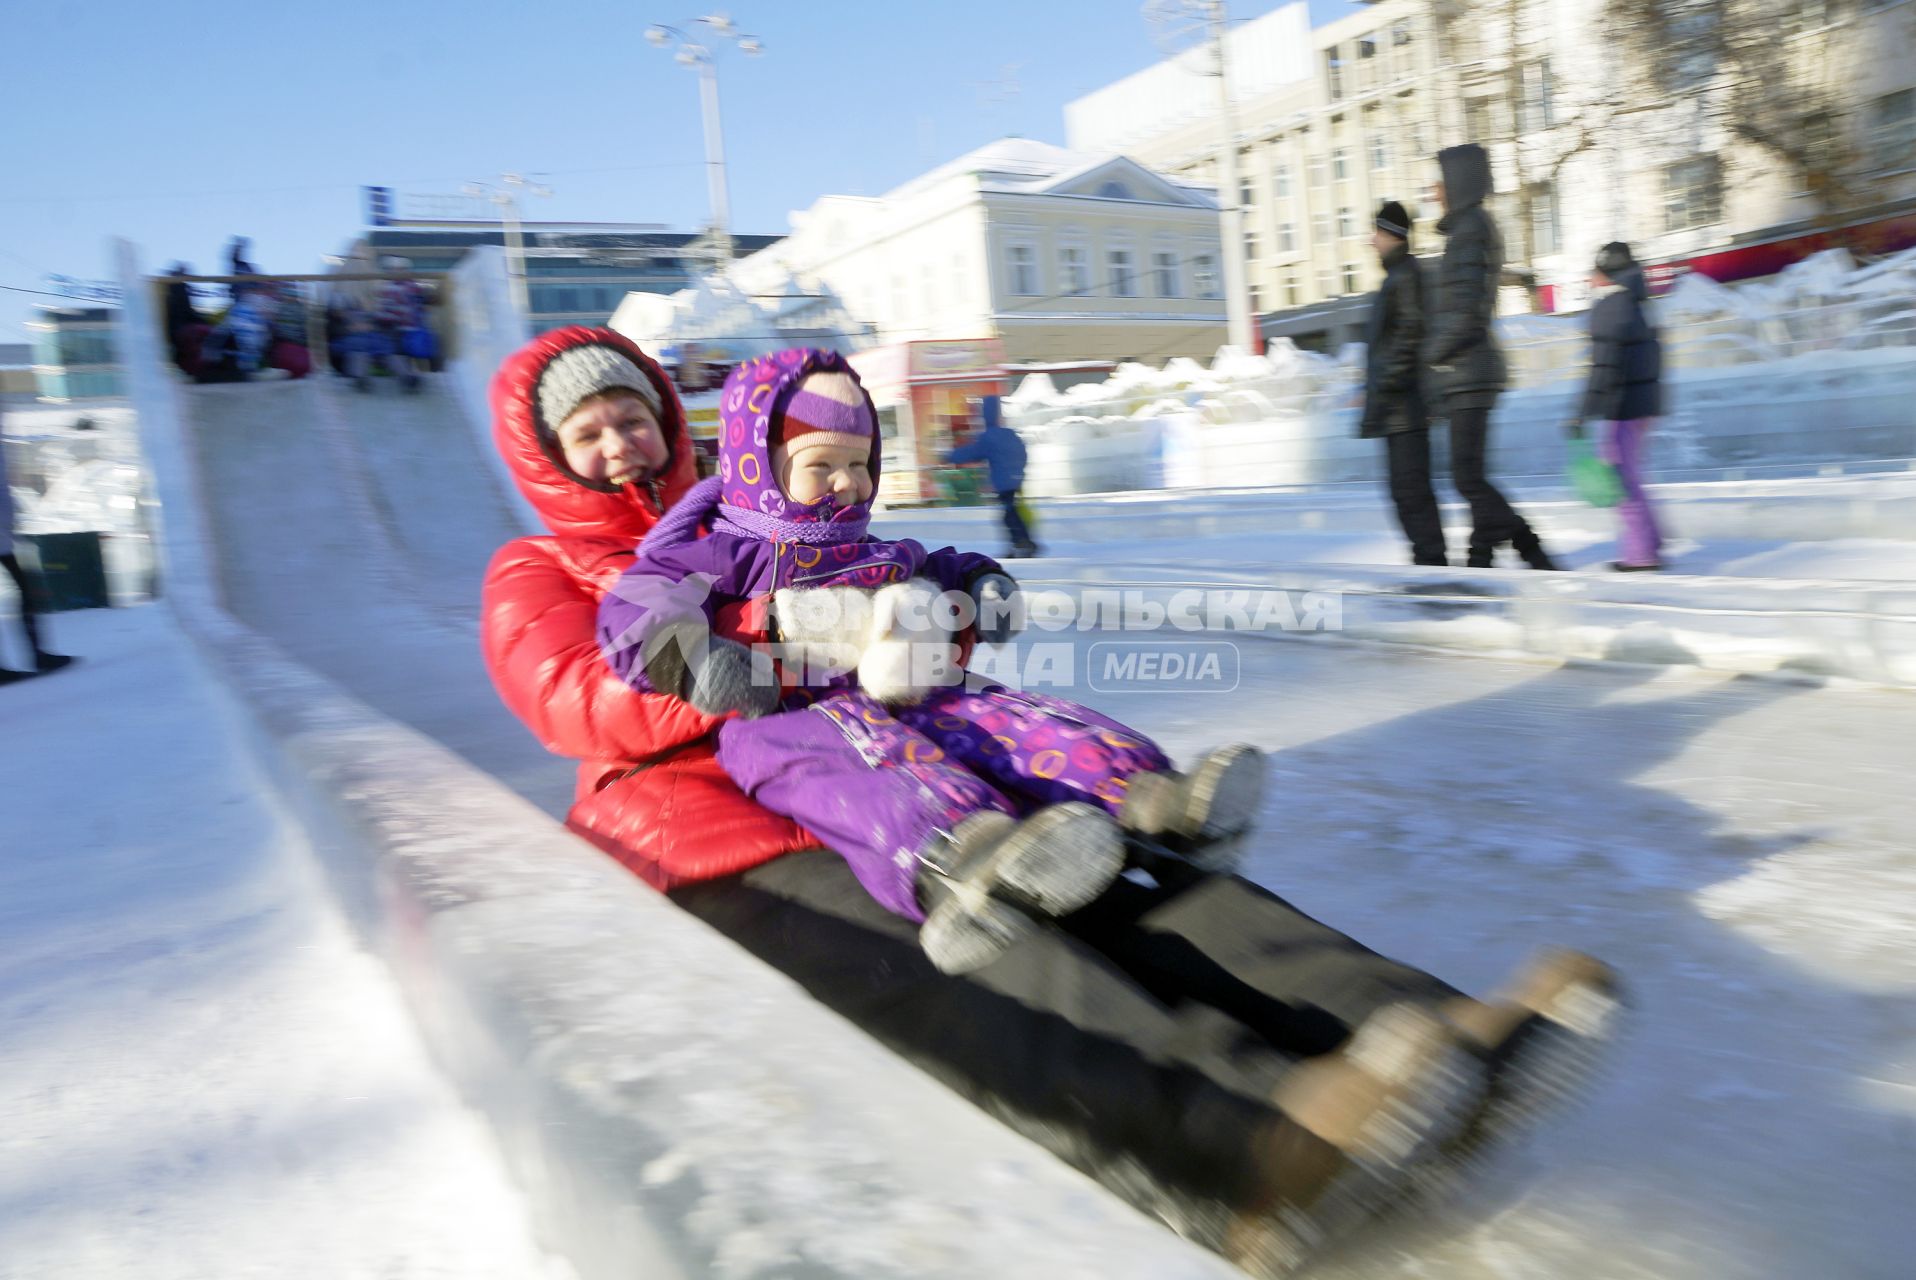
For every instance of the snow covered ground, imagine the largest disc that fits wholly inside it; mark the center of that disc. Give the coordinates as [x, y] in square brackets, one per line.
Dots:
[202, 1075]
[1738, 848]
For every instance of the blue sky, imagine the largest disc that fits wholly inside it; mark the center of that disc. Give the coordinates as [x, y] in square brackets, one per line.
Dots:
[179, 124]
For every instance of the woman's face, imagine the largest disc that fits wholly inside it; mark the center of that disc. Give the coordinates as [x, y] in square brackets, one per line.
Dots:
[616, 440]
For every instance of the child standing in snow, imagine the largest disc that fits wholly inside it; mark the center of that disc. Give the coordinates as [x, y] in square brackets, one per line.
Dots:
[971, 810]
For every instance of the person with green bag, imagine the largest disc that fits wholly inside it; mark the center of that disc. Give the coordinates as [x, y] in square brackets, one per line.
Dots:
[1625, 393]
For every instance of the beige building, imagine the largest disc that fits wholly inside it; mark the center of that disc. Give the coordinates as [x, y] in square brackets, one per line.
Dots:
[1329, 123]
[1061, 254]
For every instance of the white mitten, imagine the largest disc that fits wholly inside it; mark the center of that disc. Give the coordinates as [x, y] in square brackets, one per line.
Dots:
[910, 652]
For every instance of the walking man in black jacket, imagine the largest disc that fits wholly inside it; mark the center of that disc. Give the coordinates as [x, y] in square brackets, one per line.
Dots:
[1462, 350]
[1393, 397]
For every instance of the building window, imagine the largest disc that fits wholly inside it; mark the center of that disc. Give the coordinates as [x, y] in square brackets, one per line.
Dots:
[1281, 182]
[1024, 270]
[1350, 277]
[1074, 266]
[1320, 227]
[1244, 194]
[1545, 233]
[1290, 289]
[1286, 237]
[1379, 151]
[1250, 246]
[1892, 130]
[1346, 223]
[1164, 268]
[1334, 70]
[1534, 109]
[1256, 301]
[1367, 48]
[1479, 123]
[1326, 283]
[1115, 191]
[1204, 275]
[1400, 34]
[1340, 164]
[1124, 282]
[1692, 194]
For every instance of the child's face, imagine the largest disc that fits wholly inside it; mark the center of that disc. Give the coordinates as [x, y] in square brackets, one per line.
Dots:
[821, 465]
[615, 441]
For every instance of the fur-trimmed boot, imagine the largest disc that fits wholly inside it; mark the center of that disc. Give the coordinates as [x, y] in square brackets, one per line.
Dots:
[1359, 1131]
[1542, 1037]
[985, 884]
[1202, 815]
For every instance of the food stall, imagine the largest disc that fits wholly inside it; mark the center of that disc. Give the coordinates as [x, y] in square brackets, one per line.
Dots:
[921, 389]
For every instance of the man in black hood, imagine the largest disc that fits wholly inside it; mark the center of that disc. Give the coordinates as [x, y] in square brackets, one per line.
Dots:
[1462, 350]
[1393, 398]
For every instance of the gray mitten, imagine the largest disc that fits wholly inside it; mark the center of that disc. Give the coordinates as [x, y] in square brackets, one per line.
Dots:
[712, 673]
[1001, 611]
[726, 676]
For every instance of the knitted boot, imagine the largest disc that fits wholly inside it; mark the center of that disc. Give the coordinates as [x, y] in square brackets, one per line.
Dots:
[985, 882]
[1199, 815]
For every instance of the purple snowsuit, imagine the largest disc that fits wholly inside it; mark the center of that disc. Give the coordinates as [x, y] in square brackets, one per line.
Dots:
[873, 782]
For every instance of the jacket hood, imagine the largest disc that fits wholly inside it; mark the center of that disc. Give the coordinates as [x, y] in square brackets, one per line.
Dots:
[1633, 279]
[991, 413]
[570, 506]
[756, 393]
[1466, 171]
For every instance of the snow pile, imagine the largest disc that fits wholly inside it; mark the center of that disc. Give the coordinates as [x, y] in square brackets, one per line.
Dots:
[201, 1073]
[73, 471]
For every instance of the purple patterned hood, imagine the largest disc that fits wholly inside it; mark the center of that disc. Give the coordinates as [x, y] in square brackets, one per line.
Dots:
[755, 394]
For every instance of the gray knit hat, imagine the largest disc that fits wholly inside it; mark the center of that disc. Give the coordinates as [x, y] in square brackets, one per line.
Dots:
[586, 370]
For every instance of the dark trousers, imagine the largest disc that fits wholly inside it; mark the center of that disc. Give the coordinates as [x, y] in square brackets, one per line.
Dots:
[1493, 521]
[1408, 454]
[1014, 521]
[1145, 1032]
[27, 621]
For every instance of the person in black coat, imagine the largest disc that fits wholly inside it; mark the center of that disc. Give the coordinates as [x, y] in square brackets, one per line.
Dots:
[1393, 394]
[1625, 392]
[1462, 351]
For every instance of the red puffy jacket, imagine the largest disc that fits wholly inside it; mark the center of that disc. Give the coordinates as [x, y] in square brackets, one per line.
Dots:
[650, 791]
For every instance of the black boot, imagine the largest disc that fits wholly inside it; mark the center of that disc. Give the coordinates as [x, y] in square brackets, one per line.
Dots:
[1480, 559]
[1530, 547]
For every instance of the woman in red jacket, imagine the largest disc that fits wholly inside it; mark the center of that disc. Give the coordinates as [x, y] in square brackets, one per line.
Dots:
[1255, 1078]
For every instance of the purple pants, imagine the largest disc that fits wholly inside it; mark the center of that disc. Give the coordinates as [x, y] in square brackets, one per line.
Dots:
[1624, 443]
[877, 786]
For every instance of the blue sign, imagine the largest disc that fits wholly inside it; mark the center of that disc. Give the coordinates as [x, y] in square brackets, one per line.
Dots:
[379, 206]
[84, 290]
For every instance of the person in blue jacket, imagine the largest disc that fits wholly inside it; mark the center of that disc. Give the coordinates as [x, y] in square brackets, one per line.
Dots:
[1003, 453]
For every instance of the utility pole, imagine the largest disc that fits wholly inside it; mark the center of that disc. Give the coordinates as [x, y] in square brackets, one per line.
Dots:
[1239, 328]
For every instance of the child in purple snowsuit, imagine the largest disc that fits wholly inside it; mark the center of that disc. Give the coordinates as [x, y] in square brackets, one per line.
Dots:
[968, 809]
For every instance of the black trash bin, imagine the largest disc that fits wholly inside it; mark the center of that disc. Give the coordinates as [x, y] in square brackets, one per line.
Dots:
[67, 569]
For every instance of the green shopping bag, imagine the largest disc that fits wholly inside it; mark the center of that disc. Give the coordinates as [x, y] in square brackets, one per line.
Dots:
[1595, 480]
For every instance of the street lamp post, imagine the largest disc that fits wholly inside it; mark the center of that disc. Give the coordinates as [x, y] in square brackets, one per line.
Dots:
[696, 51]
[505, 194]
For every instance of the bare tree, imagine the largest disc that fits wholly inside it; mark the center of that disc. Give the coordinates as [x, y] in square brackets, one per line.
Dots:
[1775, 75]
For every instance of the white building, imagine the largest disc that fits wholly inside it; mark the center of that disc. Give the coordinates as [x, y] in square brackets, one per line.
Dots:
[1061, 254]
[1330, 123]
